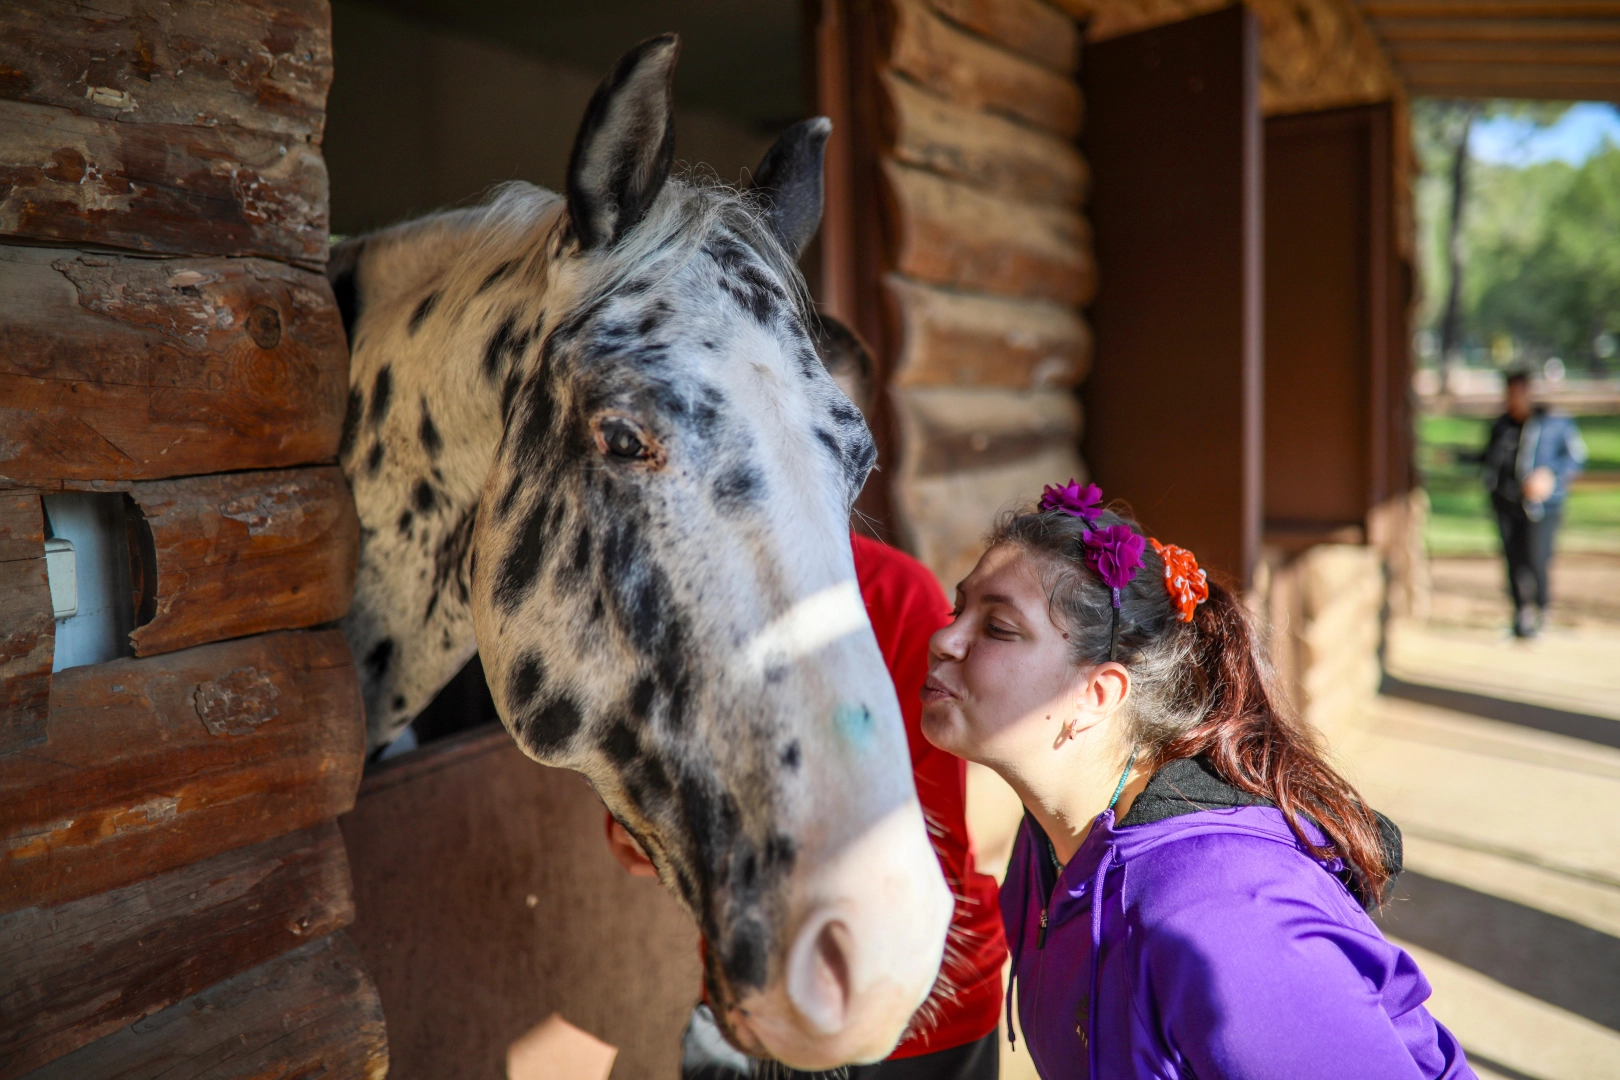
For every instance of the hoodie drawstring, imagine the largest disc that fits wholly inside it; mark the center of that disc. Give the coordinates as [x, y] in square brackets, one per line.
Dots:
[1097, 884]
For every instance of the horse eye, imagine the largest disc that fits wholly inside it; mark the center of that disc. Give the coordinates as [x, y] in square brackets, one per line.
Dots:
[622, 439]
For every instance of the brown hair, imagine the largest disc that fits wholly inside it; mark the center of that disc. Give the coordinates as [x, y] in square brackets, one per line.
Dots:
[1201, 689]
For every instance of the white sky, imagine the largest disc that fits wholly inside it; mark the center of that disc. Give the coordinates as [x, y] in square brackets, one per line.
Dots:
[1577, 136]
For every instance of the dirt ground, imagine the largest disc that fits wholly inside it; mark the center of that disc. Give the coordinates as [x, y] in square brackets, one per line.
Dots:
[1472, 591]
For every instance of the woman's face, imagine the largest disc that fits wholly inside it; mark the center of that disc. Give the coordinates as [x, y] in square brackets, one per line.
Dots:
[1000, 686]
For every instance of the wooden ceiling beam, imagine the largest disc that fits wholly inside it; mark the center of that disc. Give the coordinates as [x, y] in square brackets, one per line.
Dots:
[1491, 9]
[1573, 31]
[1546, 82]
[1536, 54]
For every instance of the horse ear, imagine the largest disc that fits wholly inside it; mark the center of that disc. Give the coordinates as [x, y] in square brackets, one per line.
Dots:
[789, 177]
[625, 144]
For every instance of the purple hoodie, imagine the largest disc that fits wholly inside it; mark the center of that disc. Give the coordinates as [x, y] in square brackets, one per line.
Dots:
[1221, 950]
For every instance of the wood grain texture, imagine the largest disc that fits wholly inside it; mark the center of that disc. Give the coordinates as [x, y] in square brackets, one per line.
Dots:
[264, 66]
[1314, 54]
[170, 189]
[981, 148]
[150, 764]
[977, 74]
[244, 553]
[958, 235]
[1031, 27]
[27, 625]
[953, 338]
[308, 1013]
[76, 972]
[956, 430]
[127, 368]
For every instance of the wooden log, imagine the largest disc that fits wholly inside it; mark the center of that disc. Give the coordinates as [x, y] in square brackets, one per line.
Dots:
[27, 624]
[311, 1012]
[952, 338]
[945, 516]
[152, 764]
[974, 73]
[160, 188]
[957, 430]
[957, 235]
[965, 144]
[74, 973]
[126, 368]
[244, 553]
[1030, 27]
[264, 67]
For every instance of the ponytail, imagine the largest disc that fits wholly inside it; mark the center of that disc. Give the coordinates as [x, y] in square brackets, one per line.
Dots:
[1202, 689]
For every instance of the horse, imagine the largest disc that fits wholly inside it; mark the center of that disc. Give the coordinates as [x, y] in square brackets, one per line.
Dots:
[590, 440]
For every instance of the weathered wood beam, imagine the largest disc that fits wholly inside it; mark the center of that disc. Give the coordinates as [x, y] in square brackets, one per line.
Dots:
[311, 1012]
[1549, 82]
[977, 74]
[261, 67]
[154, 763]
[957, 235]
[1491, 9]
[127, 368]
[951, 338]
[1584, 57]
[1397, 32]
[245, 553]
[27, 625]
[173, 189]
[73, 973]
[979, 147]
[963, 429]
[1031, 27]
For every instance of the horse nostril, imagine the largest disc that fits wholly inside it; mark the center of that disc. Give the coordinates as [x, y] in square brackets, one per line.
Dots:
[819, 977]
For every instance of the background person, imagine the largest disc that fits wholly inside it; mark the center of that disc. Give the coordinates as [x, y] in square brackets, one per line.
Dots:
[1185, 897]
[1529, 459]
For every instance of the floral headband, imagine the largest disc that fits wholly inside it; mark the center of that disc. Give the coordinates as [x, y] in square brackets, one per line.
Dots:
[1114, 554]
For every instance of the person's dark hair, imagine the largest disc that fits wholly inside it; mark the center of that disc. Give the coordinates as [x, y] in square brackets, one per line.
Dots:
[1517, 377]
[1200, 688]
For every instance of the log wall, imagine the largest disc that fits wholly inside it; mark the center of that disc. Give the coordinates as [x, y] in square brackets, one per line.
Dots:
[172, 885]
[987, 262]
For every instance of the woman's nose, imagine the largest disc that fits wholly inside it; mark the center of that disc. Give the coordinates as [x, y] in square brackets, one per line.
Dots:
[946, 644]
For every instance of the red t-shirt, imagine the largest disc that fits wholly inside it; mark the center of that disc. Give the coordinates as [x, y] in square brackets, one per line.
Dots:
[906, 607]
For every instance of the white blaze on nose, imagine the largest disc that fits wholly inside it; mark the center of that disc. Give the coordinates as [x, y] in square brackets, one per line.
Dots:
[813, 623]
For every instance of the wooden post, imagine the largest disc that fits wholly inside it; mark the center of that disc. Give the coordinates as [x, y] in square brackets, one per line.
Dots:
[1173, 403]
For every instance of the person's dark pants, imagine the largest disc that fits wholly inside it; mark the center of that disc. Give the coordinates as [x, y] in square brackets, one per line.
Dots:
[1528, 547]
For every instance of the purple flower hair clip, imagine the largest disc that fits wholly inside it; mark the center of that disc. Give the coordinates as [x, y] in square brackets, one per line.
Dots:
[1076, 501]
[1114, 554]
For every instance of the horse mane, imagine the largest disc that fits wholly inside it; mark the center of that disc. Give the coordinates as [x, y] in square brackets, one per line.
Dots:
[525, 226]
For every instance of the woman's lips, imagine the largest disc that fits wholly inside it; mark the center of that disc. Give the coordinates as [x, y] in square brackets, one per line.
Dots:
[933, 690]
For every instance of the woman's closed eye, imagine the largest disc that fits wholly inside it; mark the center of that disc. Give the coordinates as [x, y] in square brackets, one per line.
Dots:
[996, 630]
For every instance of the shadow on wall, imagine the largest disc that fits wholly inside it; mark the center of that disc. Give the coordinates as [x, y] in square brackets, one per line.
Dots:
[421, 116]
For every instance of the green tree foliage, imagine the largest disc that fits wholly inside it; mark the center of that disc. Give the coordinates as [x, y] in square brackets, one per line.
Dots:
[1544, 256]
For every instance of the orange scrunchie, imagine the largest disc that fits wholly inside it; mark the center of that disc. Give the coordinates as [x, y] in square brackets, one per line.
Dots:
[1187, 585]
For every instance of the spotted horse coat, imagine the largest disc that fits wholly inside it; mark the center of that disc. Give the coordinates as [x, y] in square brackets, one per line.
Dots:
[590, 439]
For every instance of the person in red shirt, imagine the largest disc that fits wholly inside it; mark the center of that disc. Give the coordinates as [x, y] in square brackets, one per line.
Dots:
[953, 1036]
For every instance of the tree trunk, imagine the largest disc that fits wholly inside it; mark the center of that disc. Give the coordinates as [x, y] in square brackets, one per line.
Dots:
[1450, 324]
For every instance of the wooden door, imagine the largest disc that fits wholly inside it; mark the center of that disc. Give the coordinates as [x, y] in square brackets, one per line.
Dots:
[1174, 400]
[1333, 445]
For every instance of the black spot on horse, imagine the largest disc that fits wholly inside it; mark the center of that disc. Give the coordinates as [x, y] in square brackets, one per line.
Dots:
[509, 390]
[527, 681]
[653, 319]
[453, 561]
[620, 744]
[790, 756]
[553, 725]
[746, 953]
[404, 525]
[537, 421]
[500, 343]
[738, 488]
[641, 698]
[522, 562]
[351, 421]
[428, 433]
[582, 550]
[423, 497]
[780, 852]
[809, 363]
[374, 458]
[497, 274]
[399, 702]
[423, 310]
[503, 508]
[830, 441]
[378, 659]
[382, 392]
